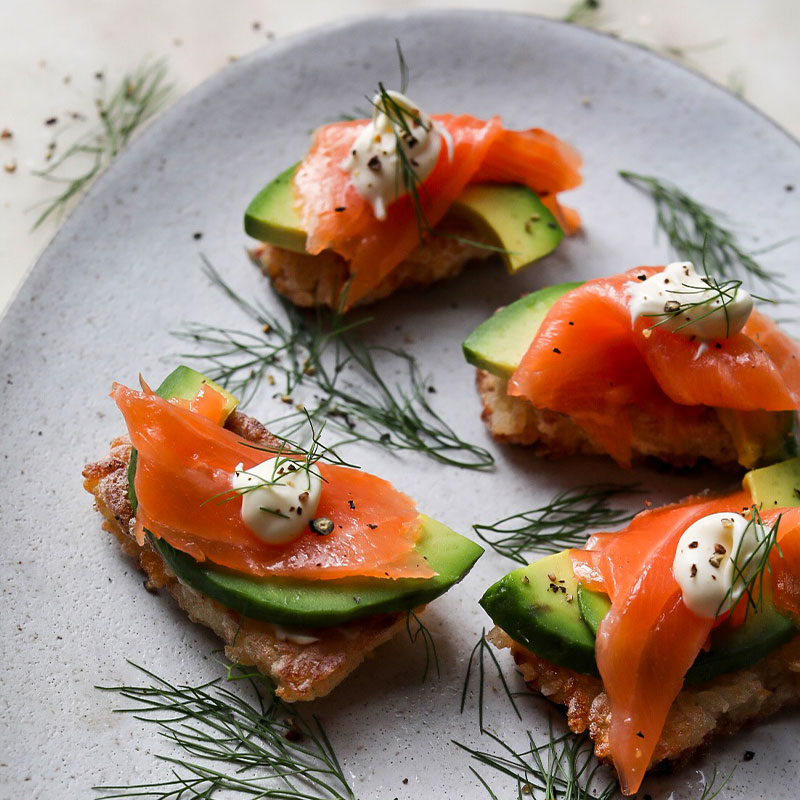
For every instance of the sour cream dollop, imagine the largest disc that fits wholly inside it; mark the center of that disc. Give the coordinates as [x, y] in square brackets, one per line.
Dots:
[374, 162]
[711, 562]
[279, 498]
[711, 316]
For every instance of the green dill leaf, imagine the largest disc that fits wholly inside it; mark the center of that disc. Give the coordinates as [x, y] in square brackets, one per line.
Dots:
[314, 353]
[137, 97]
[236, 741]
[559, 524]
[427, 639]
[700, 234]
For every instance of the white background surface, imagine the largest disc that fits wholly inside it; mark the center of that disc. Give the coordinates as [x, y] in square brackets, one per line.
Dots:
[51, 49]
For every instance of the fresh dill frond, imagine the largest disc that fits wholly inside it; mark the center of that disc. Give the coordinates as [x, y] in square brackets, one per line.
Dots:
[583, 13]
[482, 647]
[314, 353]
[559, 524]
[711, 790]
[563, 767]
[231, 742]
[136, 99]
[424, 633]
[700, 234]
[748, 572]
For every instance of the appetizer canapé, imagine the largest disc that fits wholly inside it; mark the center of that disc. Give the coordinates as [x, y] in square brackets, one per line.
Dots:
[302, 566]
[656, 361]
[683, 625]
[407, 199]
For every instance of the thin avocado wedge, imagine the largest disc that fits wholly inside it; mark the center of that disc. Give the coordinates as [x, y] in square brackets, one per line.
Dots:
[314, 604]
[511, 216]
[303, 604]
[777, 486]
[537, 607]
[499, 344]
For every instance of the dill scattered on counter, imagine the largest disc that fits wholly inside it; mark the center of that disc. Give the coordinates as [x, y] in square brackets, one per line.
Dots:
[231, 742]
[478, 655]
[424, 633]
[560, 524]
[312, 353]
[697, 232]
[138, 96]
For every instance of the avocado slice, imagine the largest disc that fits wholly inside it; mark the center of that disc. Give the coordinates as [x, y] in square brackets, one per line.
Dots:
[537, 606]
[312, 604]
[301, 603]
[499, 344]
[511, 216]
[777, 486]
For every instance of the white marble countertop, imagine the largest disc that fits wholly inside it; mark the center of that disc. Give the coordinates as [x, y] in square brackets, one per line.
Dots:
[50, 53]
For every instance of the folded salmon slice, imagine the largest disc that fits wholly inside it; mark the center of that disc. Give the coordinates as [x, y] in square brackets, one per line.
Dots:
[590, 362]
[337, 218]
[649, 639]
[183, 485]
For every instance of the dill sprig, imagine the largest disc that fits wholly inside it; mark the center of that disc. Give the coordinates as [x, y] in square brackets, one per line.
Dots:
[350, 390]
[563, 767]
[583, 12]
[695, 232]
[422, 632]
[232, 744]
[482, 647]
[137, 97]
[748, 572]
[557, 525]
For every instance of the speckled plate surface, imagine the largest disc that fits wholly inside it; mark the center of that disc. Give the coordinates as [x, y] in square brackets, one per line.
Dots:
[124, 272]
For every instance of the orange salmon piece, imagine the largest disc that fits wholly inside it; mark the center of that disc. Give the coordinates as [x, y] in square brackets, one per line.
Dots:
[649, 639]
[183, 485]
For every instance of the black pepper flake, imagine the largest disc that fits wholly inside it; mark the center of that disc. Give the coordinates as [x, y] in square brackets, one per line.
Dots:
[385, 438]
[405, 780]
[692, 545]
[671, 306]
[322, 526]
[197, 236]
[796, 492]
[718, 345]
[51, 121]
[352, 505]
[356, 599]
[641, 277]
[552, 225]
[557, 351]
[371, 526]
[640, 734]
[339, 209]
[526, 580]
[749, 755]
[570, 322]
[693, 571]
[789, 187]
[302, 497]
[375, 164]
[719, 548]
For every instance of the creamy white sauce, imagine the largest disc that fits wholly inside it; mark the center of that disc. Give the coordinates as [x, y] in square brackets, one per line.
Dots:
[679, 284]
[279, 498]
[711, 559]
[374, 162]
[290, 635]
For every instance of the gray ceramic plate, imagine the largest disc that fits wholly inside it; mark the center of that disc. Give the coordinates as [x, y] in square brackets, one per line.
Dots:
[123, 272]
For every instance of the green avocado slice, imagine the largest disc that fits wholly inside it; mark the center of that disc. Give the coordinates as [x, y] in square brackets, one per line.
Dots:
[498, 344]
[302, 603]
[511, 216]
[313, 604]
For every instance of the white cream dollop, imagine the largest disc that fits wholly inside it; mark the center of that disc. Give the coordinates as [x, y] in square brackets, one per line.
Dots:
[657, 298]
[279, 498]
[711, 562]
[374, 162]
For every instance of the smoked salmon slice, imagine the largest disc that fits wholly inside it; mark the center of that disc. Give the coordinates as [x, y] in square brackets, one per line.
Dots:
[649, 638]
[590, 362]
[183, 485]
[336, 217]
